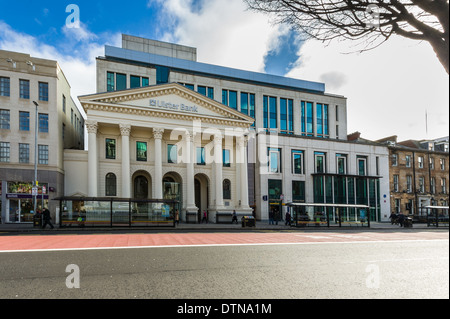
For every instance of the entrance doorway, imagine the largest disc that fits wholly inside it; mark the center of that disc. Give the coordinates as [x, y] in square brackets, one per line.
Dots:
[20, 210]
[142, 185]
[172, 189]
[201, 195]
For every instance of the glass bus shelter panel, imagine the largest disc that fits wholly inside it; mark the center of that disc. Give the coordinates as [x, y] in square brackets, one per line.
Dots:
[437, 217]
[96, 214]
[309, 216]
[152, 214]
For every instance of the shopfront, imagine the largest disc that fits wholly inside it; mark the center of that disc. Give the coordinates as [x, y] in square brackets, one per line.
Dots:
[20, 202]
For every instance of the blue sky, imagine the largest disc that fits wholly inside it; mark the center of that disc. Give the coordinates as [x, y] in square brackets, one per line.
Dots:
[388, 89]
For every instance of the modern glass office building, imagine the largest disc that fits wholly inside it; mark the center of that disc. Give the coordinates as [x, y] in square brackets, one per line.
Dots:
[256, 142]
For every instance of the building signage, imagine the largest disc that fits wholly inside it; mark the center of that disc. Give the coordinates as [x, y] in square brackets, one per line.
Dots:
[173, 106]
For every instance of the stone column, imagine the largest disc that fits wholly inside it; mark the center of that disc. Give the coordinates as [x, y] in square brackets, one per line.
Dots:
[243, 172]
[92, 127]
[126, 178]
[157, 135]
[190, 182]
[218, 156]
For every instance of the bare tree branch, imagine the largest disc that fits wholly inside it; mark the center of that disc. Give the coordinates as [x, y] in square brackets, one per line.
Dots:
[372, 21]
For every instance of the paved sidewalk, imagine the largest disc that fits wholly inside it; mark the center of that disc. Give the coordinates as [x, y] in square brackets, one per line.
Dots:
[260, 225]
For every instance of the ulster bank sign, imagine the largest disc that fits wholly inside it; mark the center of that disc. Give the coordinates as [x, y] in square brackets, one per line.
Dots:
[173, 106]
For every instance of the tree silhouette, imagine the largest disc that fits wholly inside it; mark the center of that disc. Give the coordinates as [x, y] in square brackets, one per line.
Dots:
[372, 22]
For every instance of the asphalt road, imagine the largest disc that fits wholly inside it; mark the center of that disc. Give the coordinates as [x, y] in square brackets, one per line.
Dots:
[403, 269]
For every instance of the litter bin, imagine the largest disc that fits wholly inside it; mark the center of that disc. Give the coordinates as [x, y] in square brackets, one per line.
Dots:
[37, 220]
[248, 221]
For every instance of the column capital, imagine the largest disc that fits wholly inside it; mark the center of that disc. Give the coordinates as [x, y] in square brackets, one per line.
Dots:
[242, 140]
[125, 129]
[91, 126]
[158, 133]
[218, 139]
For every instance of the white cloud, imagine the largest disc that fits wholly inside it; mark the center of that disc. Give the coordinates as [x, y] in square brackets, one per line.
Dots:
[223, 31]
[79, 67]
[389, 88]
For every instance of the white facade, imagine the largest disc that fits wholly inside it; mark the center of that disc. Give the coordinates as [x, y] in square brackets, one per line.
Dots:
[161, 117]
[289, 115]
[24, 79]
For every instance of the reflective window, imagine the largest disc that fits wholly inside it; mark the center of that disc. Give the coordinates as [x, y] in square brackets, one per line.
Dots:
[110, 82]
[110, 185]
[43, 91]
[43, 154]
[297, 162]
[172, 154]
[319, 158]
[141, 151]
[226, 158]
[226, 189]
[4, 86]
[43, 123]
[24, 86]
[200, 156]
[24, 121]
[110, 148]
[121, 81]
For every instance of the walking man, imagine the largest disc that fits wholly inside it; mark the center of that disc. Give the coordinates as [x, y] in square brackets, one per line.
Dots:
[46, 216]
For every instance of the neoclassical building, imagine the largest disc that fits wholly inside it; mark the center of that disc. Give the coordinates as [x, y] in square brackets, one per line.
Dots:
[163, 142]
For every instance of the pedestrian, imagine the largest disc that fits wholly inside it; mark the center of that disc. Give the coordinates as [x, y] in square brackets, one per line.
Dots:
[276, 216]
[234, 218]
[271, 212]
[47, 218]
[177, 217]
[401, 219]
[205, 218]
[288, 219]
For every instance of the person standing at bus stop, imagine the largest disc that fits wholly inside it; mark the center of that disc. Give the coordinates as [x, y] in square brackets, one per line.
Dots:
[46, 218]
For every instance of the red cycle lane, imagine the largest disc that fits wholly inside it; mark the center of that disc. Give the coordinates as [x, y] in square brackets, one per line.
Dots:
[107, 241]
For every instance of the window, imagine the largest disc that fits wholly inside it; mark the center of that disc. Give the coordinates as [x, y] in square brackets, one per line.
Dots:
[226, 158]
[341, 163]
[189, 86]
[297, 162]
[229, 98]
[270, 112]
[408, 160]
[322, 120]
[274, 160]
[287, 116]
[433, 185]
[298, 191]
[409, 183]
[444, 185]
[226, 189]
[441, 163]
[111, 185]
[362, 165]
[24, 121]
[248, 104]
[206, 91]
[64, 103]
[110, 148]
[395, 183]
[162, 74]
[320, 162]
[137, 81]
[172, 154]
[24, 153]
[201, 156]
[307, 124]
[43, 123]
[43, 154]
[110, 82]
[431, 163]
[121, 81]
[24, 88]
[4, 86]
[4, 120]
[43, 91]
[4, 152]
[420, 160]
[421, 184]
[141, 151]
[394, 159]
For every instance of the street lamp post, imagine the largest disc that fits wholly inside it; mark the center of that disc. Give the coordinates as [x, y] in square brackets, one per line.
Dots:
[35, 153]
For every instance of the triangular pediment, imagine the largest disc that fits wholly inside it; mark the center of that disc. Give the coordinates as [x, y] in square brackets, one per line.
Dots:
[167, 100]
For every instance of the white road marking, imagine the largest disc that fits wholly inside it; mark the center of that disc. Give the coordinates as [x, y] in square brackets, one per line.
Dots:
[224, 245]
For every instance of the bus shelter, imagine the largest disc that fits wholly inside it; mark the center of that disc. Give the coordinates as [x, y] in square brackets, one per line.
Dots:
[329, 215]
[437, 216]
[116, 212]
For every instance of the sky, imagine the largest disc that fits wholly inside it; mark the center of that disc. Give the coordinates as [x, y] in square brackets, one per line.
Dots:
[390, 90]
